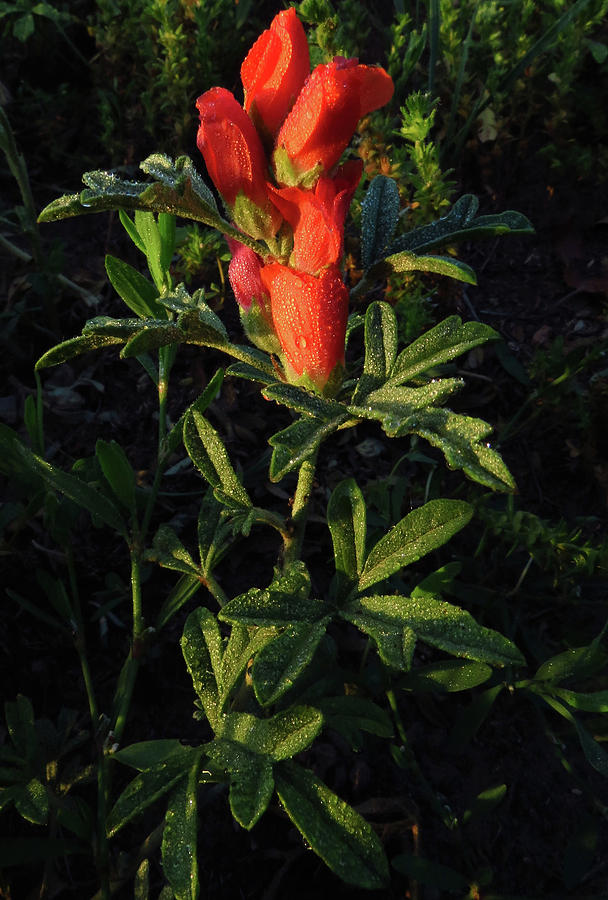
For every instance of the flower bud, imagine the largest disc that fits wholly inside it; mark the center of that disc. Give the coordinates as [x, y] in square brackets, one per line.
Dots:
[236, 162]
[317, 217]
[252, 297]
[323, 120]
[309, 314]
[274, 71]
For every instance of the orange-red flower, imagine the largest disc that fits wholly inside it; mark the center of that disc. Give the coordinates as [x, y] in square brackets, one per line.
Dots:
[309, 314]
[317, 217]
[236, 162]
[324, 117]
[274, 71]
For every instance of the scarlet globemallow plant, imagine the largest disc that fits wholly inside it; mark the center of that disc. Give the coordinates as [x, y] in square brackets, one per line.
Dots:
[267, 657]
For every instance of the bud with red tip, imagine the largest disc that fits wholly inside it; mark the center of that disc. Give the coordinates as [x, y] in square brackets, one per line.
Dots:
[323, 120]
[236, 162]
[275, 70]
[309, 314]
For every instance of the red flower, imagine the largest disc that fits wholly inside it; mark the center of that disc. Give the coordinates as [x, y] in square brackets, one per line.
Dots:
[236, 162]
[274, 71]
[309, 315]
[323, 120]
[317, 217]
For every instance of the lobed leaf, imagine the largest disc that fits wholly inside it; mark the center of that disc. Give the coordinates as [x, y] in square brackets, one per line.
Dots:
[277, 665]
[338, 834]
[207, 452]
[379, 218]
[299, 441]
[286, 600]
[421, 531]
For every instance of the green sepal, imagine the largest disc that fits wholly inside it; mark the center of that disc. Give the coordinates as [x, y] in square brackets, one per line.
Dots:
[447, 340]
[461, 223]
[286, 173]
[277, 665]
[422, 530]
[338, 834]
[379, 218]
[259, 330]
[252, 219]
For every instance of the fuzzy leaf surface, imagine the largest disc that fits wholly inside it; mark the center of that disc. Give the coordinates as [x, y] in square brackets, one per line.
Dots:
[379, 217]
[338, 834]
[424, 529]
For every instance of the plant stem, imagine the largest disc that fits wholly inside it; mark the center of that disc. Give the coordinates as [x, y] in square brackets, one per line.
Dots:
[299, 513]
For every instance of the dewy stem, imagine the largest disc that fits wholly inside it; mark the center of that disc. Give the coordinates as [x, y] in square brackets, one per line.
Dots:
[299, 514]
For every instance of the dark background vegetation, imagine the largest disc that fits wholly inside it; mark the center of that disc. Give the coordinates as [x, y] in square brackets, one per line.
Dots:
[102, 84]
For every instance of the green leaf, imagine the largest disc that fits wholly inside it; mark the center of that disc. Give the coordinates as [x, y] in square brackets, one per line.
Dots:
[139, 294]
[595, 754]
[596, 701]
[442, 343]
[349, 715]
[444, 626]
[283, 735]
[60, 353]
[175, 436]
[118, 471]
[129, 226]
[285, 601]
[251, 781]
[212, 532]
[19, 716]
[406, 261]
[462, 440]
[148, 786]
[207, 452]
[581, 663]
[202, 648]
[23, 28]
[421, 531]
[32, 802]
[169, 552]
[152, 337]
[471, 719]
[338, 834]
[99, 506]
[166, 228]
[298, 442]
[427, 871]
[380, 348]
[462, 223]
[394, 640]
[379, 217]
[447, 676]
[185, 588]
[179, 856]
[151, 754]
[301, 401]
[395, 406]
[242, 645]
[277, 665]
[484, 803]
[346, 518]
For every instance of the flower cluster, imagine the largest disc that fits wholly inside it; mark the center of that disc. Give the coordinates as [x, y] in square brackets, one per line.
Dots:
[274, 162]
